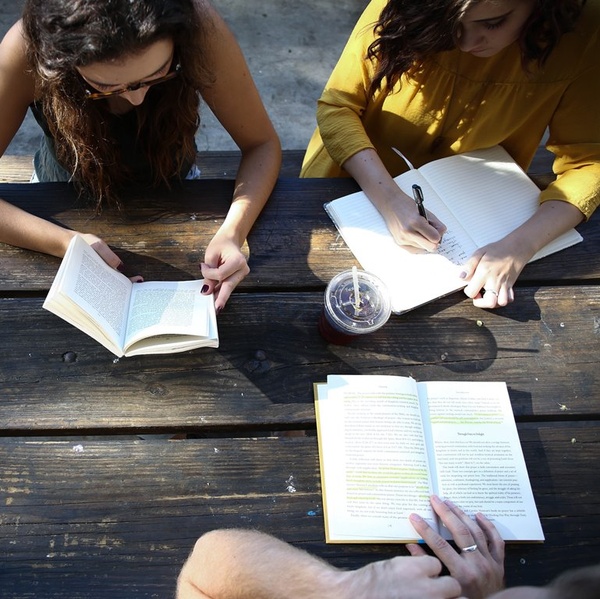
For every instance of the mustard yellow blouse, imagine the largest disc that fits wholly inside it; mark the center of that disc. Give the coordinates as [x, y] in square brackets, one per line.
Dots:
[470, 103]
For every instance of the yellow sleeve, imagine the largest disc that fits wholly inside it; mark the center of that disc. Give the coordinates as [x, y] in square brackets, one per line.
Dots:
[574, 131]
[345, 98]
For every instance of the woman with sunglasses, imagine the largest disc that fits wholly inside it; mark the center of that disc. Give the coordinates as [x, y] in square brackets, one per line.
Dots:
[116, 86]
[439, 77]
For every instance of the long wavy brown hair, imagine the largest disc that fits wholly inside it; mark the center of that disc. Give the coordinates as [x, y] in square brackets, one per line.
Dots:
[65, 34]
[410, 31]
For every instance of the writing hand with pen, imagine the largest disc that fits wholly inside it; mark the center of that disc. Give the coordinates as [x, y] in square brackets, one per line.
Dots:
[411, 224]
[400, 211]
[430, 218]
[491, 261]
[438, 227]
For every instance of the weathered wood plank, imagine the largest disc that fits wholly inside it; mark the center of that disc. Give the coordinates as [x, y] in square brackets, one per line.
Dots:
[164, 236]
[117, 518]
[214, 165]
[16, 169]
[224, 165]
[545, 347]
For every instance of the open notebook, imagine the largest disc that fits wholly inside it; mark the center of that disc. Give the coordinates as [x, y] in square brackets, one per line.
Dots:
[480, 196]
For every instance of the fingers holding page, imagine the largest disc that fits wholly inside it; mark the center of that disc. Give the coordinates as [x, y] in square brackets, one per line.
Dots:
[102, 249]
[479, 562]
[223, 280]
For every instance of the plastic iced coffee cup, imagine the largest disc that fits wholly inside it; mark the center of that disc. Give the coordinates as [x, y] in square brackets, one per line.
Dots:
[346, 314]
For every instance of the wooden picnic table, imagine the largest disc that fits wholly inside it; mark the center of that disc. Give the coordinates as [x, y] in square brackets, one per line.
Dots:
[111, 468]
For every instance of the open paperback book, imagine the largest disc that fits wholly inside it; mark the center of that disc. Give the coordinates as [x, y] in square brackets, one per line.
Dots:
[480, 196]
[387, 443]
[128, 318]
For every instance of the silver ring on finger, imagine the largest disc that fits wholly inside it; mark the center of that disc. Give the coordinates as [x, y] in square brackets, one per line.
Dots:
[469, 549]
[491, 291]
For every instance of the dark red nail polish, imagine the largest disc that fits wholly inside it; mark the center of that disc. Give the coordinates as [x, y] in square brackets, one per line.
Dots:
[204, 289]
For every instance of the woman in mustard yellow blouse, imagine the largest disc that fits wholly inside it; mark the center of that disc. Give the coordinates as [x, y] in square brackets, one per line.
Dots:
[438, 77]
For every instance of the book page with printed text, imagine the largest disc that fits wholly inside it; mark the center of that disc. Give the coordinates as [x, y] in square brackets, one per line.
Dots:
[476, 456]
[373, 458]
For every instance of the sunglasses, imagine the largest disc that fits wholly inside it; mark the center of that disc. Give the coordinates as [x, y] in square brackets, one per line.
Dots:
[97, 95]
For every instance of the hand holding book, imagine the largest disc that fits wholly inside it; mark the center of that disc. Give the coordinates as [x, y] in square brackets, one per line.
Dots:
[126, 317]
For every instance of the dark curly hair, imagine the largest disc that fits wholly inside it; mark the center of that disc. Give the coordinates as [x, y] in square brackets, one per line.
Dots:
[410, 31]
[62, 35]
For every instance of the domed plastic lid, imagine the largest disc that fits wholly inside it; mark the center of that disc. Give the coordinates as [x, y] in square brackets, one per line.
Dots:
[370, 312]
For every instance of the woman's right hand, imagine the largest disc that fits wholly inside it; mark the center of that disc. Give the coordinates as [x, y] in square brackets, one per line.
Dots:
[408, 227]
[102, 249]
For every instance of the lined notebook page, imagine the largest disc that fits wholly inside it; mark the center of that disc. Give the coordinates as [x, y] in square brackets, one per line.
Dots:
[480, 196]
[412, 277]
[489, 194]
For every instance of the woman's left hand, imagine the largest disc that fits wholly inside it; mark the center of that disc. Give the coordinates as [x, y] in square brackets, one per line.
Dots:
[223, 268]
[492, 271]
[479, 563]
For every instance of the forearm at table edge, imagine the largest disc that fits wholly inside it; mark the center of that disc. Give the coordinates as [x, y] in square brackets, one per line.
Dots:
[237, 564]
[25, 230]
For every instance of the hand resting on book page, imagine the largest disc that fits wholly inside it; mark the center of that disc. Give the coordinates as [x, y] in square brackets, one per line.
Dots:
[102, 249]
[479, 562]
[494, 268]
[237, 564]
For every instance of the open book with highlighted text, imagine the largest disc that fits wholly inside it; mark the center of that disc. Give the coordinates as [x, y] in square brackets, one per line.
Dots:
[387, 443]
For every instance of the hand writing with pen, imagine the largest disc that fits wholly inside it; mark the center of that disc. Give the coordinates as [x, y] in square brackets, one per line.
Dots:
[500, 262]
[412, 225]
[492, 271]
[399, 210]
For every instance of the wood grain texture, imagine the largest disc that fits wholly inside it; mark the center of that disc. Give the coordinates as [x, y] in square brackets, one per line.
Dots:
[293, 245]
[545, 347]
[94, 505]
[224, 165]
[117, 518]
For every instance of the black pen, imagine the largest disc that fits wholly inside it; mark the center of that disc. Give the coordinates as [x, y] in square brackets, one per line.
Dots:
[418, 195]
